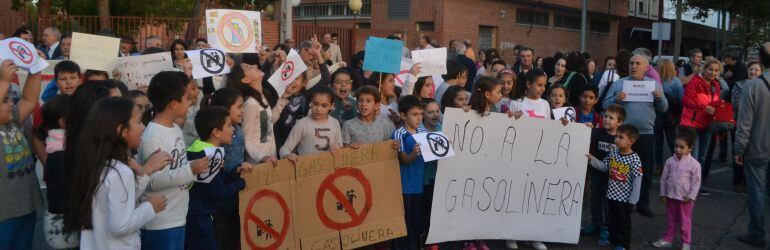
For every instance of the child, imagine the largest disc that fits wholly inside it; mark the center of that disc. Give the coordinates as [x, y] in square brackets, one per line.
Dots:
[587, 115]
[66, 80]
[486, 96]
[454, 97]
[625, 180]
[528, 102]
[431, 122]
[602, 143]
[140, 100]
[412, 170]
[295, 110]
[679, 185]
[368, 127]
[102, 199]
[344, 103]
[170, 96]
[96, 75]
[215, 128]
[316, 133]
[507, 79]
[386, 84]
[21, 191]
[558, 97]
[457, 75]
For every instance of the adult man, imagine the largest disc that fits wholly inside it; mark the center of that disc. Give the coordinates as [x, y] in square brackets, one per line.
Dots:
[525, 61]
[334, 49]
[688, 71]
[126, 46]
[66, 46]
[152, 42]
[735, 70]
[752, 144]
[335, 38]
[290, 43]
[50, 39]
[643, 117]
[469, 50]
[311, 53]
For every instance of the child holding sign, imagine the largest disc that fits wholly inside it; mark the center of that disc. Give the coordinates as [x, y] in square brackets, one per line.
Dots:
[528, 102]
[368, 127]
[215, 128]
[431, 122]
[316, 133]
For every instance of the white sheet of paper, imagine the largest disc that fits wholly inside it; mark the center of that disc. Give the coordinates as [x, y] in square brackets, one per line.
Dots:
[289, 70]
[639, 91]
[23, 54]
[404, 74]
[568, 112]
[432, 61]
[94, 51]
[216, 157]
[137, 71]
[434, 146]
[234, 31]
[208, 62]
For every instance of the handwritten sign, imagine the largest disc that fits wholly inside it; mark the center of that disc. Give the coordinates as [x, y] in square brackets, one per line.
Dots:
[383, 55]
[137, 71]
[565, 112]
[405, 73]
[234, 31]
[23, 54]
[432, 61]
[289, 70]
[639, 91]
[216, 157]
[434, 146]
[94, 51]
[207, 62]
[524, 176]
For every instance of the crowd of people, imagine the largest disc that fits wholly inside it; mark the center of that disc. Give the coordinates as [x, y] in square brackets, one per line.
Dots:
[119, 164]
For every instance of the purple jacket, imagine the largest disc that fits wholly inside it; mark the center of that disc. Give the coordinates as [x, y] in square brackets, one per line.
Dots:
[680, 178]
[652, 73]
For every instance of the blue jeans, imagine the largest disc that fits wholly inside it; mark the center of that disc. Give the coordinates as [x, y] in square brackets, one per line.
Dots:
[701, 151]
[166, 239]
[756, 177]
[16, 233]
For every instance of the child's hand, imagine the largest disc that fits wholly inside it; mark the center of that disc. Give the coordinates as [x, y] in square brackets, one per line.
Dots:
[589, 124]
[663, 200]
[394, 116]
[564, 121]
[395, 145]
[511, 114]
[156, 161]
[245, 168]
[686, 200]
[416, 149]
[293, 158]
[354, 145]
[269, 159]
[466, 108]
[590, 157]
[231, 63]
[200, 166]
[415, 70]
[334, 149]
[138, 170]
[158, 203]
[116, 73]
[7, 70]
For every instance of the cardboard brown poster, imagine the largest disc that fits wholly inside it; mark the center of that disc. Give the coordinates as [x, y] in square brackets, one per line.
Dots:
[266, 207]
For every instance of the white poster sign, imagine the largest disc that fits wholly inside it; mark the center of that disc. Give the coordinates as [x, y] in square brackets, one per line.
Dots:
[565, 112]
[216, 157]
[234, 31]
[434, 146]
[525, 177]
[208, 62]
[137, 71]
[639, 91]
[432, 61]
[23, 54]
[94, 51]
[405, 73]
[289, 70]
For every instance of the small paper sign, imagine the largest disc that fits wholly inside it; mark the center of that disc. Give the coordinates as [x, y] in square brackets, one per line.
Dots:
[289, 70]
[565, 112]
[639, 91]
[216, 157]
[207, 62]
[23, 54]
[432, 61]
[434, 146]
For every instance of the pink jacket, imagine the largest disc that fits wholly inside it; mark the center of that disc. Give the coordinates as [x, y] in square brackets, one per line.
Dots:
[680, 178]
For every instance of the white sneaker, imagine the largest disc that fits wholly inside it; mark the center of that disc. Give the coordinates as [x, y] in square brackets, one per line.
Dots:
[539, 245]
[662, 244]
[685, 246]
[511, 244]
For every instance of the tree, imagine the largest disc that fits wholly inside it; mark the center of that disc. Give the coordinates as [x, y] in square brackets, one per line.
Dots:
[104, 14]
[195, 17]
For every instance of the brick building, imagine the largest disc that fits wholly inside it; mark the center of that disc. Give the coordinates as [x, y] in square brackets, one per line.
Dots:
[548, 26]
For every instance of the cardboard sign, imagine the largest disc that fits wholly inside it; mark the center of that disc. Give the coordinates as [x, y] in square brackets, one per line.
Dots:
[216, 157]
[323, 202]
[289, 70]
[524, 176]
[383, 55]
[639, 91]
[23, 54]
[137, 71]
[565, 112]
[208, 62]
[94, 51]
[234, 31]
[434, 146]
[432, 61]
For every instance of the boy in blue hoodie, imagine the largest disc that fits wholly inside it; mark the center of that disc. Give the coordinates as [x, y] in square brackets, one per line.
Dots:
[215, 129]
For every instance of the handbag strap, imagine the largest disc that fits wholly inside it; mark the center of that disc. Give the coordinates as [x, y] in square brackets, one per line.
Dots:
[765, 81]
[610, 81]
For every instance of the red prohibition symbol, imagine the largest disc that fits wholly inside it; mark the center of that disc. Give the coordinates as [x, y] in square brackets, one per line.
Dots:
[356, 217]
[250, 217]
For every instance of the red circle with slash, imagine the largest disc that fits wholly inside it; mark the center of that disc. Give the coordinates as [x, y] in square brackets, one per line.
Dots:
[244, 38]
[356, 218]
[21, 51]
[249, 216]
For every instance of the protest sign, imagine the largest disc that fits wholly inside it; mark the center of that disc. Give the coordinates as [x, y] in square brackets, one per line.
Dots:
[216, 157]
[94, 51]
[23, 54]
[405, 73]
[432, 61]
[347, 201]
[565, 112]
[639, 91]
[234, 31]
[434, 146]
[524, 176]
[289, 70]
[383, 55]
[207, 62]
[137, 71]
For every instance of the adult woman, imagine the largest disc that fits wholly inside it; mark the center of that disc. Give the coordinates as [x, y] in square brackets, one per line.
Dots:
[539, 63]
[755, 70]
[560, 67]
[423, 42]
[698, 110]
[590, 70]
[665, 124]
[480, 59]
[574, 79]
[424, 87]
[178, 47]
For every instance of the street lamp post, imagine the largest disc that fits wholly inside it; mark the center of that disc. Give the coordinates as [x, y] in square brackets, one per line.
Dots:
[286, 17]
[355, 6]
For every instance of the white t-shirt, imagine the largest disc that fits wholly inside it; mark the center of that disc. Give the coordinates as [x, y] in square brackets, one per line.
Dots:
[532, 108]
[173, 180]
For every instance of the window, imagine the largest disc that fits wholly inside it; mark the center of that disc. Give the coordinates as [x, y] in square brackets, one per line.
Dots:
[566, 22]
[398, 9]
[532, 17]
[322, 11]
[601, 26]
[642, 9]
[487, 37]
[425, 26]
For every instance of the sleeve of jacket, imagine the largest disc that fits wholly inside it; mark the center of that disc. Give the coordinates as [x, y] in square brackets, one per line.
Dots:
[695, 180]
[745, 117]
[691, 97]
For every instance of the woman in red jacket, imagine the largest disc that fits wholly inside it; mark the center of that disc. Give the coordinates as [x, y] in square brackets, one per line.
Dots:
[697, 106]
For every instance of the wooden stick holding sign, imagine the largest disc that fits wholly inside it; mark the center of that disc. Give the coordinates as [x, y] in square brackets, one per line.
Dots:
[434, 146]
